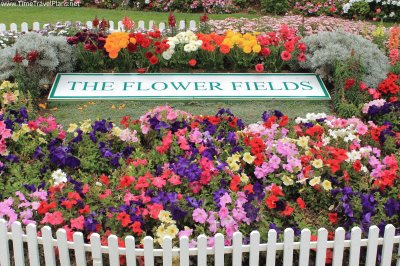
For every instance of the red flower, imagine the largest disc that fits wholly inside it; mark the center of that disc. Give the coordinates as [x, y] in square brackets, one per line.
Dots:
[131, 47]
[271, 201]
[17, 58]
[95, 22]
[285, 55]
[302, 57]
[141, 70]
[126, 181]
[259, 67]
[192, 62]
[171, 20]
[136, 228]
[302, 47]
[204, 17]
[32, 56]
[363, 86]
[276, 191]
[124, 218]
[234, 185]
[349, 83]
[265, 52]
[288, 210]
[45, 207]
[148, 55]
[357, 166]
[301, 203]
[153, 60]
[333, 218]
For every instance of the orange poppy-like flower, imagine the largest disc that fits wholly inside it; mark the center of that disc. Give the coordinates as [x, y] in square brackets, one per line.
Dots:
[224, 49]
[115, 42]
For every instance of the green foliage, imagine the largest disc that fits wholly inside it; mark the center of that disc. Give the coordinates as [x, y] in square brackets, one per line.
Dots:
[360, 9]
[276, 7]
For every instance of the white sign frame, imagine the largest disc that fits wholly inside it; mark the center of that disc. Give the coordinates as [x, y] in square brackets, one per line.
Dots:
[164, 86]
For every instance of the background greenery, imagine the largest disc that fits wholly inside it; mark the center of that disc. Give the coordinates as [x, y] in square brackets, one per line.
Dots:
[54, 14]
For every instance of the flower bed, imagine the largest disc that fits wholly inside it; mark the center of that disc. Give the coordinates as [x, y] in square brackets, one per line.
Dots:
[175, 174]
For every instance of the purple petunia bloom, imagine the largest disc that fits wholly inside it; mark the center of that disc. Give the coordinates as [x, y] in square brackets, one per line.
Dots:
[392, 207]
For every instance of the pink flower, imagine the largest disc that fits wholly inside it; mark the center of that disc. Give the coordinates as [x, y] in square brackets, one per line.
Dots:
[158, 182]
[9, 97]
[223, 212]
[225, 199]
[199, 215]
[77, 223]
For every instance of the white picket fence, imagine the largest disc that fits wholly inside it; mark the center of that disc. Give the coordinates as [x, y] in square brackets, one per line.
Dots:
[25, 246]
[141, 25]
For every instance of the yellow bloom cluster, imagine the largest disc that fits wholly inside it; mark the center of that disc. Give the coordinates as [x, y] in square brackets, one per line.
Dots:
[247, 42]
[117, 41]
[167, 227]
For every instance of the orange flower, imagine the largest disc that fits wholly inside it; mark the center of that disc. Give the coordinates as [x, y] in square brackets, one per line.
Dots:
[224, 49]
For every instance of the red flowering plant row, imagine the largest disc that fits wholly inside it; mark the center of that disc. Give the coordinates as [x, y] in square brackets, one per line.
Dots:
[170, 173]
[129, 51]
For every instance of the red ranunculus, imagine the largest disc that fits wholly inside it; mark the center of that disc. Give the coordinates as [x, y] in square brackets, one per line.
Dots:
[153, 60]
[259, 67]
[285, 55]
[192, 62]
[349, 83]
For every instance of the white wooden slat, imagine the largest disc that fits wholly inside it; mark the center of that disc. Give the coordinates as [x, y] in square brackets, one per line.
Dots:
[13, 27]
[182, 25]
[184, 251]
[372, 246]
[4, 246]
[2, 27]
[192, 25]
[24, 27]
[398, 256]
[96, 249]
[130, 251]
[202, 250]
[63, 247]
[237, 243]
[49, 256]
[148, 251]
[321, 247]
[304, 256]
[219, 249]
[18, 245]
[288, 240]
[113, 250]
[388, 243]
[161, 27]
[141, 25]
[167, 251]
[36, 26]
[111, 25]
[89, 24]
[338, 248]
[151, 24]
[271, 248]
[254, 248]
[80, 255]
[33, 248]
[120, 26]
[355, 246]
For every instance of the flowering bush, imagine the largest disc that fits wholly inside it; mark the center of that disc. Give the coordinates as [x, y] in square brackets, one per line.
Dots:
[170, 173]
[375, 9]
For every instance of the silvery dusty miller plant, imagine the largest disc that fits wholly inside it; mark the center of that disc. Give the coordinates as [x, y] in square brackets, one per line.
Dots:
[55, 55]
[326, 48]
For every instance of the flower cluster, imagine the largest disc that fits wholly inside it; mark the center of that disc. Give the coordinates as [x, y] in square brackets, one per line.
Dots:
[170, 173]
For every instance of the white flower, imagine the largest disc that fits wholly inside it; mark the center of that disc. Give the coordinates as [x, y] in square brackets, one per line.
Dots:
[167, 55]
[59, 177]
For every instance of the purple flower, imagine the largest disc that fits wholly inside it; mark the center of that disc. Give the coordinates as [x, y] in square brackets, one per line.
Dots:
[392, 207]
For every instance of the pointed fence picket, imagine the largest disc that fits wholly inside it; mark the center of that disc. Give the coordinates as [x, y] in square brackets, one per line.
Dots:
[16, 248]
[140, 26]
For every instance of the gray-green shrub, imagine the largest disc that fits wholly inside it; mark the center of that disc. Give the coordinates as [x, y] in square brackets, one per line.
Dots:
[325, 49]
[55, 55]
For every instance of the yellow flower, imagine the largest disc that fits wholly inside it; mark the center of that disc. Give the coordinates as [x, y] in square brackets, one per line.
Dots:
[308, 152]
[72, 127]
[132, 40]
[248, 158]
[315, 181]
[247, 49]
[256, 48]
[5, 84]
[287, 180]
[234, 167]
[25, 128]
[229, 160]
[86, 126]
[302, 142]
[163, 216]
[236, 157]
[160, 232]
[172, 230]
[15, 136]
[327, 185]
[244, 178]
[318, 163]
[116, 131]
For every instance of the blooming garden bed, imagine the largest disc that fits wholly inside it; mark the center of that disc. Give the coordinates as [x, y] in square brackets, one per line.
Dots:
[171, 173]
